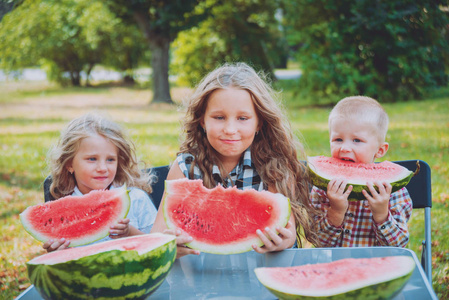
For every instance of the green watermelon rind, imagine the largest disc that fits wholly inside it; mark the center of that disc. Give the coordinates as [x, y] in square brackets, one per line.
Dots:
[384, 290]
[356, 193]
[380, 290]
[238, 247]
[116, 274]
[88, 239]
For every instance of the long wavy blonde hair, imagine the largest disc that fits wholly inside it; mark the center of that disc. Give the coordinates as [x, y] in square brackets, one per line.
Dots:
[62, 153]
[275, 148]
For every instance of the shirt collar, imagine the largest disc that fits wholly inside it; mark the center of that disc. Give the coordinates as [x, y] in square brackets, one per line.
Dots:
[77, 192]
[245, 161]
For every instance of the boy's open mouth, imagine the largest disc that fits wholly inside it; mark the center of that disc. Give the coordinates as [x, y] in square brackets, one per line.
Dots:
[347, 159]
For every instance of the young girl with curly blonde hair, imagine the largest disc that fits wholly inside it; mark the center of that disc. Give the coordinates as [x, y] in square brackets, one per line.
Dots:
[93, 153]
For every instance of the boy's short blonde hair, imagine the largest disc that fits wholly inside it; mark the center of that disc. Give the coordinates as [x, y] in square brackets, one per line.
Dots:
[362, 109]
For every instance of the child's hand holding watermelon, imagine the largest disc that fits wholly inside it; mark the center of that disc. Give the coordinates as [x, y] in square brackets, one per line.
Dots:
[338, 199]
[378, 201]
[275, 241]
[53, 245]
[181, 240]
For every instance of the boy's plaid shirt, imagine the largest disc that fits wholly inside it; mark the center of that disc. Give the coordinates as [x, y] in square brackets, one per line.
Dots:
[358, 228]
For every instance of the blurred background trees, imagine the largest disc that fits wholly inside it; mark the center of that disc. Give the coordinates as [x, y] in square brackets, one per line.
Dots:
[390, 50]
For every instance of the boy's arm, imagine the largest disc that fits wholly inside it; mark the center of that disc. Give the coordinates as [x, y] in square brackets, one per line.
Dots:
[328, 234]
[394, 231]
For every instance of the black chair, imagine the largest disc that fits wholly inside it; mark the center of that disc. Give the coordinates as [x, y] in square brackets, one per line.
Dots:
[420, 190]
[159, 185]
[156, 195]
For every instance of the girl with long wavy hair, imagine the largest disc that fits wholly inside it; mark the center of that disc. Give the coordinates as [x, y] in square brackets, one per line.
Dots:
[236, 134]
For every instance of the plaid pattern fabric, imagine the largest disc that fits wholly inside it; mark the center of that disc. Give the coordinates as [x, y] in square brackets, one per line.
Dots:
[358, 228]
[243, 176]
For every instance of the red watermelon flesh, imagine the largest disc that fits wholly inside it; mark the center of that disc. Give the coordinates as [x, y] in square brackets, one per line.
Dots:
[80, 219]
[323, 169]
[357, 173]
[220, 220]
[140, 243]
[340, 277]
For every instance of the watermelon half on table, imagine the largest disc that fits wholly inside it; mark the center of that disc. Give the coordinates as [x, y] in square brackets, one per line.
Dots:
[351, 278]
[125, 268]
[222, 220]
[323, 169]
[79, 219]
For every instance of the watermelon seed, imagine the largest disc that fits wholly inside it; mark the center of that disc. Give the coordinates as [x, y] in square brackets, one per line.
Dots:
[62, 219]
[269, 207]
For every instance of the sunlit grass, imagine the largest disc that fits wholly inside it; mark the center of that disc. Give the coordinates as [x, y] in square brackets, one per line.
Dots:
[32, 115]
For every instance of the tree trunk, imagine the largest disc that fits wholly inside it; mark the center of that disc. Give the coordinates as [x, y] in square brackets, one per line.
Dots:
[129, 80]
[159, 46]
[88, 71]
[75, 78]
[159, 62]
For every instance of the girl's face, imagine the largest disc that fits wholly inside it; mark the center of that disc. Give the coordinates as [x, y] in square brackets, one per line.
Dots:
[231, 122]
[355, 141]
[94, 164]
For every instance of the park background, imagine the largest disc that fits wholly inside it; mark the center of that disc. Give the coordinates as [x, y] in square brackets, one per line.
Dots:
[137, 60]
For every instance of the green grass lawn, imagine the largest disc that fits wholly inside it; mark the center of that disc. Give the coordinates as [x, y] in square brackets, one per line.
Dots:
[32, 114]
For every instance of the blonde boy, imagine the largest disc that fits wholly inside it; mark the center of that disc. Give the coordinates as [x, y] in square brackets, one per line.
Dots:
[357, 129]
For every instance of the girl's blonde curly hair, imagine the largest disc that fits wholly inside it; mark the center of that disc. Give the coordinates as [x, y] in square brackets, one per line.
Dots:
[90, 124]
[275, 148]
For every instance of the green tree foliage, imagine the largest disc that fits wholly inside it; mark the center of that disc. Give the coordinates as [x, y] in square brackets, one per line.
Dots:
[160, 22]
[236, 31]
[66, 37]
[390, 50]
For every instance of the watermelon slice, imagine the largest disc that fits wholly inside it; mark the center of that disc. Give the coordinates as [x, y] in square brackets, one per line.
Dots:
[351, 278]
[222, 221]
[126, 268]
[79, 219]
[322, 169]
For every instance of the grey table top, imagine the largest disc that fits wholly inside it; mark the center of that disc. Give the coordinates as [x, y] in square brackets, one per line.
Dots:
[210, 276]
